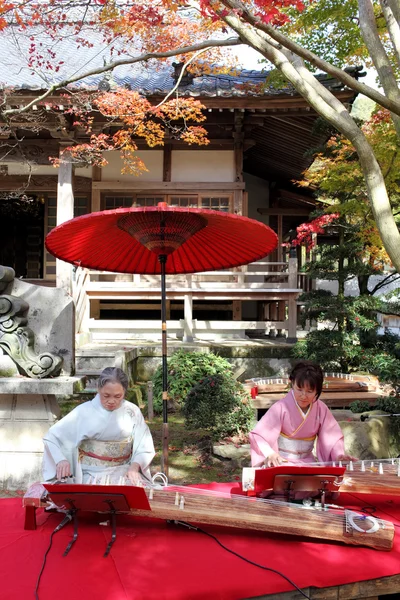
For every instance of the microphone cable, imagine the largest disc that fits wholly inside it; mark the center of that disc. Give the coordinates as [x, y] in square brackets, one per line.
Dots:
[184, 524]
[67, 519]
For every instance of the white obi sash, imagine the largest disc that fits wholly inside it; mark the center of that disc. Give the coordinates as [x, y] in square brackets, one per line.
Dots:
[96, 453]
[295, 449]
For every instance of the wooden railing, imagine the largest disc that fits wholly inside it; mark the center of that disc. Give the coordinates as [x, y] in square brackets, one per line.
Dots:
[257, 275]
[274, 283]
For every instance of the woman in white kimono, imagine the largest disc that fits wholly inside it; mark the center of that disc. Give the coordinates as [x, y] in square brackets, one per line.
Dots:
[105, 437]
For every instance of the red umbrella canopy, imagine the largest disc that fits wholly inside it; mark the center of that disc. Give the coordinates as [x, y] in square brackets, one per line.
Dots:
[130, 240]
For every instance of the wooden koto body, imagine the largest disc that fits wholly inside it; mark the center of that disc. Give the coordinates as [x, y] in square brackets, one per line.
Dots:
[372, 477]
[199, 506]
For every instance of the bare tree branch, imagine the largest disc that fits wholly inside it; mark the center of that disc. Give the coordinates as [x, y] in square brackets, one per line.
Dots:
[391, 278]
[316, 61]
[203, 46]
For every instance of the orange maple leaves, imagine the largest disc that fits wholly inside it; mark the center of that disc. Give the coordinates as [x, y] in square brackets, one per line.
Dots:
[133, 116]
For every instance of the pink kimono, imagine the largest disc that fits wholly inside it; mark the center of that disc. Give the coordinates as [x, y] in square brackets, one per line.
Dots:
[287, 430]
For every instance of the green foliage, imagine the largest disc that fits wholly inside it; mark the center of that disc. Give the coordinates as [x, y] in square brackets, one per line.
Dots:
[333, 350]
[360, 406]
[382, 363]
[355, 312]
[389, 404]
[219, 404]
[330, 28]
[347, 256]
[185, 369]
[343, 351]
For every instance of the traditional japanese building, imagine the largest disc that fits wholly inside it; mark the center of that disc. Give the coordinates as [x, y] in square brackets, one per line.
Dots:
[260, 143]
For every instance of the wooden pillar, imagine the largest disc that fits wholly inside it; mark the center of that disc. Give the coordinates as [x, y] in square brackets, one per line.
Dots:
[167, 156]
[292, 279]
[188, 318]
[65, 212]
[237, 310]
[273, 315]
[96, 196]
[292, 319]
[95, 309]
[279, 232]
[238, 136]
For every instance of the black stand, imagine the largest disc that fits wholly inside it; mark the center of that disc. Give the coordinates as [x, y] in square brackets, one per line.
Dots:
[75, 536]
[101, 502]
[316, 485]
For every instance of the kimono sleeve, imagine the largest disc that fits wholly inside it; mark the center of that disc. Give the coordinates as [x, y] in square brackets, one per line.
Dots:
[143, 447]
[264, 437]
[62, 440]
[330, 442]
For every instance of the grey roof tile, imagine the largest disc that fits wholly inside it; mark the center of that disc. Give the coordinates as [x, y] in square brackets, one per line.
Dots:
[146, 80]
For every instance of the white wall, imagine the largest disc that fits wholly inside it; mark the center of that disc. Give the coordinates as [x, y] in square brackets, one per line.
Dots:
[258, 194]
[16, 168]
[153, 159]
[351, 287]
[203, 165]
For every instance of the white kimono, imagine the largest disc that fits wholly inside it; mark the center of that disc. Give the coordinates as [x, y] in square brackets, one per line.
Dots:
[90, 421]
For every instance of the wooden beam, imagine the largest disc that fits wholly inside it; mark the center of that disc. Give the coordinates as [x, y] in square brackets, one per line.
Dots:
[290, 212]
[174, 186]
[283, 101]
[291, 123]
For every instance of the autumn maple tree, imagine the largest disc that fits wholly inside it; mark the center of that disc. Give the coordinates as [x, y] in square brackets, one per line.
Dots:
[152, 33]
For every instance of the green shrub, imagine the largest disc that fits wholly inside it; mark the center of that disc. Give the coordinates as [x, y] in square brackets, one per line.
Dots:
[185, 369]
[390, 404]
[343, 352]
[220, 405]
[360, 406]
[333, 350]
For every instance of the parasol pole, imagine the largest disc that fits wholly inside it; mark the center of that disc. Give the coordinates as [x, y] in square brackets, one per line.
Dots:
[164, 458]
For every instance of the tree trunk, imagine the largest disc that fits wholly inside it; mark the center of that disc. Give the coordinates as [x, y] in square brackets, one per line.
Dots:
[333, 111]
[378, 54]
[393, 28]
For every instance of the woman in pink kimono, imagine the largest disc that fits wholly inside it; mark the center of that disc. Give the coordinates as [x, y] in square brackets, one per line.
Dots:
[290, 428]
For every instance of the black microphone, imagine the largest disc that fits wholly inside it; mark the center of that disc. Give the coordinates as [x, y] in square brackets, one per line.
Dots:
[67, 519]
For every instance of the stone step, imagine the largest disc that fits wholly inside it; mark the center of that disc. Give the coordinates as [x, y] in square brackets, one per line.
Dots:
[92, 359]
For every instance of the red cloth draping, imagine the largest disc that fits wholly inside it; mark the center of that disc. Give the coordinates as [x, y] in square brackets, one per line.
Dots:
[154, 560]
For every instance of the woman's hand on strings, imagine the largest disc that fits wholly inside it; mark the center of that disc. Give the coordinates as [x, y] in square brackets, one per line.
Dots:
[63, 469]
[134, 476]
[274, 460]
[347, 457]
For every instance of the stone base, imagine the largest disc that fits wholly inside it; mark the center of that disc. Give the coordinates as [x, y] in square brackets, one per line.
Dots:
[59, 386]
[24, 420]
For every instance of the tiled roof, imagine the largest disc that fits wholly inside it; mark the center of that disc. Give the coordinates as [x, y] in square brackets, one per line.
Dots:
[148, 80]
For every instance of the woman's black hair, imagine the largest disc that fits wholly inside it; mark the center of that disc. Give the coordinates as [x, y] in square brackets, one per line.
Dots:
[307, 372]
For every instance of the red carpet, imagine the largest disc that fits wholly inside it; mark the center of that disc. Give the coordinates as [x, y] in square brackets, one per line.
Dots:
[153, 560]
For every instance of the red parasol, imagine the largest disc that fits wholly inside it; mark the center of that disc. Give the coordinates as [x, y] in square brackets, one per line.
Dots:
[161, 239]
